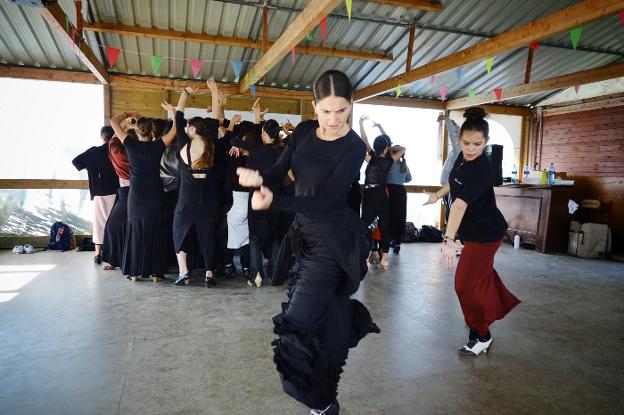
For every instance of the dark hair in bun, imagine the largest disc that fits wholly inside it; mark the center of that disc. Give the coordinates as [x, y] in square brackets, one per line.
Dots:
[475, 121]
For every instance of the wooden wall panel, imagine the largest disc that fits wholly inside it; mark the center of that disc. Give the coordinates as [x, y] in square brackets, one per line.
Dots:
[589, 147]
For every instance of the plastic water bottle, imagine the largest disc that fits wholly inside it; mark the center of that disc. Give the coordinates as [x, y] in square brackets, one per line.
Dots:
[551, 174]
[514, 174]
[517, 241]
[525, 173]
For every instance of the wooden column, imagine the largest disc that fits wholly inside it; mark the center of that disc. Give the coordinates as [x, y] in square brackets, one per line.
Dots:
[79, 17]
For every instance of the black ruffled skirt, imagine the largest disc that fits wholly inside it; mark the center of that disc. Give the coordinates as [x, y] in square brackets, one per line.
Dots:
[145, 244]
[115, 230]
[319, 323]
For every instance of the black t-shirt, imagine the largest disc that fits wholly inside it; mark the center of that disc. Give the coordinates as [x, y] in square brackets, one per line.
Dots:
[323, 170]
[473, 182]
[103, 180]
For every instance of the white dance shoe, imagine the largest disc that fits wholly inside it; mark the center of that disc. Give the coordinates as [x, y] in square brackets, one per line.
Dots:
[475, 347]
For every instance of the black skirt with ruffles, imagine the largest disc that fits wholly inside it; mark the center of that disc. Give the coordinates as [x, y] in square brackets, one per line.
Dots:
[320, 322]
[115, 230]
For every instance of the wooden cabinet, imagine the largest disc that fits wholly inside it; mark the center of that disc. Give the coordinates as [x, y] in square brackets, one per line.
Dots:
[539, 214]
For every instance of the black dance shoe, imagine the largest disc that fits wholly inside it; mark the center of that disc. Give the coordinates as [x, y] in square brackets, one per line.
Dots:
[396, 249]
[209, 282]
[183, 280]
[97, 259]
[229, 271]
[333, 409]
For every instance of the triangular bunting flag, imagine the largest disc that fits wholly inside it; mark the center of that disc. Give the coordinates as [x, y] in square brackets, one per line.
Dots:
[443, 92]
[575, 36]
[112, 54]
[432, 79]
[292, 54]
[576, 88]
[622, 18]
[398, 90]
[252, 89]
[155, 61]
[489, 63]
[196, 65]
[74, 34]
[309, 36]
[348, 3]
[459, 72]
[534, 44]
[66, 24]
[415, 86]
[472, 93]
[237, 66]
[499, 93]
[324, 27]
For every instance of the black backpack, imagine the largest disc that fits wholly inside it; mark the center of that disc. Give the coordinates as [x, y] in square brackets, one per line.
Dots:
[430, 233]
[412, 234]
[60, 237]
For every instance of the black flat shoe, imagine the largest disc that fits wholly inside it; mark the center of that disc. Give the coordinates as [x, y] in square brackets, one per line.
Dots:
[183, 280]
[209, 282]
[396, 249]
[97, 259]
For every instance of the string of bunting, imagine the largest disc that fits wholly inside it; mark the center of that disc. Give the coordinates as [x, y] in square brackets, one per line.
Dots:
[575, 37]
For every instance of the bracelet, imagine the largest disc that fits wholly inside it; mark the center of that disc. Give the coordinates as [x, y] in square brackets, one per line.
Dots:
[445, 239]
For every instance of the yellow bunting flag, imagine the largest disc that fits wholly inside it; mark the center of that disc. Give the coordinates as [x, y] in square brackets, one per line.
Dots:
[348, 3]
[489, 63]
[398, 91]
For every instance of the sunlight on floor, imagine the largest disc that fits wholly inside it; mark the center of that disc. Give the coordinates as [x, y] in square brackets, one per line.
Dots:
[15, 277]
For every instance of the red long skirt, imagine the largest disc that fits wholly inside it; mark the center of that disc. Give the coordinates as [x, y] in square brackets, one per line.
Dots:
[482, 295]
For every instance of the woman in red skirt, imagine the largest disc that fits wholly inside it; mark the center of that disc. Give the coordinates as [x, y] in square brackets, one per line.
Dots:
[474, 215]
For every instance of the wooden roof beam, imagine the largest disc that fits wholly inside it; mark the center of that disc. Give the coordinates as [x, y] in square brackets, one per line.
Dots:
[411, 4]
[602, 73]
[561, 21]
[228, 41]
[309, 17]
[55, 16]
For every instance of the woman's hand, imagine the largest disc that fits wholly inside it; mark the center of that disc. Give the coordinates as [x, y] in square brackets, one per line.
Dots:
[257, 111]
[234, 152]
[449, 252]
[441, 117]
[190, 90]
[364, 118]
[248, 177]
[167, 106]
[222, 100]
[288, 128]
[432, 198]
[236, 119]
[262, 199]
[212, 86]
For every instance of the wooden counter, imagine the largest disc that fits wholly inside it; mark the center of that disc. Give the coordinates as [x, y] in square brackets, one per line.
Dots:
[539, 214]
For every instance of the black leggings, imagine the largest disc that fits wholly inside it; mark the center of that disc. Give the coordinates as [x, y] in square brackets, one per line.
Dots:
[205, 230]
[375, 203]
[243, 251]
[398, 212]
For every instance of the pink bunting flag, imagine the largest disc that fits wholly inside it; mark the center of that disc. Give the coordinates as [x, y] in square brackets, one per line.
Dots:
[499, 93]
[576, 88]
[534, 44]
[112, 54]
[292, 54]
[432, 79]
[443, 92]
[324, 27]
[196, 65]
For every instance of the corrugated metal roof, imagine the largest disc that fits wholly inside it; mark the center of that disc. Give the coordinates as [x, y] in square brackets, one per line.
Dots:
[26, 40]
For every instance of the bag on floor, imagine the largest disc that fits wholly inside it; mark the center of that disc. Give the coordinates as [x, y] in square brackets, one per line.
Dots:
[594, 241]
[411, 233]
[430, 233]
[60, 237]
[86, 245]
[573, 237]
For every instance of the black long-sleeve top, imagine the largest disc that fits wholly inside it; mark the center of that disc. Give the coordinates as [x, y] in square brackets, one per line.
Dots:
[103, 180]
[262, 156]
[323, 170]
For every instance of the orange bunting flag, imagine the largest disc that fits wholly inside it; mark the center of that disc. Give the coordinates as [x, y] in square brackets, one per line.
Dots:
[112, 54]
[324, 27]
[499, 93]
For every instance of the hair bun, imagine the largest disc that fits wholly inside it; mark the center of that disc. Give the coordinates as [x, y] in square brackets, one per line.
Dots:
[474, 113]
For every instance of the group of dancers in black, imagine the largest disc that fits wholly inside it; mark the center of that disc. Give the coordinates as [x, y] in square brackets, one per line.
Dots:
[207, 188]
